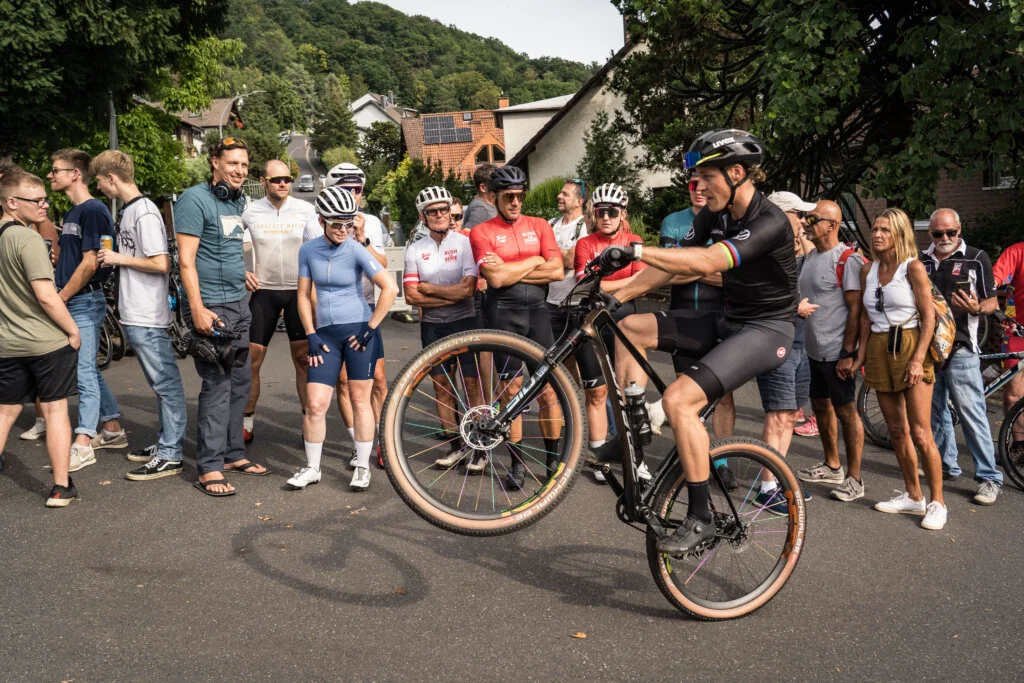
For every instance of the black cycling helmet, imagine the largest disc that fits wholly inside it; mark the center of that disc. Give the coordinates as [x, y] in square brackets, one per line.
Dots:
[507, 178]
[724, 147]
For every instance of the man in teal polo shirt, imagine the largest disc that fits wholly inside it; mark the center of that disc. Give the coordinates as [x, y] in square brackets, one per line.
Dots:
[208, 226]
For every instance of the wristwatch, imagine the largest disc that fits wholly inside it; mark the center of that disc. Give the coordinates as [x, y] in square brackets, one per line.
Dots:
[844, 354]
[366, 242]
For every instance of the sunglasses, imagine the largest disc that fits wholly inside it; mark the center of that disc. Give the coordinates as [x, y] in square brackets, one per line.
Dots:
[40, 203]
[347, 225]
[879, 300]
[278, 179]
[814, 220]
[583, 185]
[456, 216]
[692, 186]
[439, 211]
[512, 196]
[939, 234]
[354, 189]
[607, 212]
[56, 170]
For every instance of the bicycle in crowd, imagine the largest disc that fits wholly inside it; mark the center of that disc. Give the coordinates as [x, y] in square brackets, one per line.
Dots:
[756, 546]
[1011, 457]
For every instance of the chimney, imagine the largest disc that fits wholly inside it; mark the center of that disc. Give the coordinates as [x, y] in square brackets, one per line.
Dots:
[391, 97]
[502, 102]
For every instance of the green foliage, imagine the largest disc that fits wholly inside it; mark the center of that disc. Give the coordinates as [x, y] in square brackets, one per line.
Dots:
[197, 170]
[334, 125]
[542, 199]
[398, 189]
[144, 134]
[997, 230]
[338, 155]
[843, 93]
[199, 73]
[605, 159]
[383, 141]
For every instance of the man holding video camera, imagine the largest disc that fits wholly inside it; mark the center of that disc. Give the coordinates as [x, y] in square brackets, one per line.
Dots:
[963, 275]
[208, 227]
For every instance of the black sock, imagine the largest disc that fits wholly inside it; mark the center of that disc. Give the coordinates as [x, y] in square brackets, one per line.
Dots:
[699, 500]
[551, 446]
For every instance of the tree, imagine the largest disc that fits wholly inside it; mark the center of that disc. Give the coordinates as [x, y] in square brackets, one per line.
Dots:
[383, 141]
[334, 126]
[398, 189]
[843, 94]
[66, 60]
[605, 159]
[337, 155]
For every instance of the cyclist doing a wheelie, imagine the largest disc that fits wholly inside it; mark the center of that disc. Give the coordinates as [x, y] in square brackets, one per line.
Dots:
[752, 246]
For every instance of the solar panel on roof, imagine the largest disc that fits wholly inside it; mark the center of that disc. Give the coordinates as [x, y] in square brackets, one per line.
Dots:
[441, 130]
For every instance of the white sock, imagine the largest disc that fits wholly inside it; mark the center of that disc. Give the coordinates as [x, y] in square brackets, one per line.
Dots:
[313, 453]
[363, 449]
[597, 444]
[351, 432]
[247, 421]
[769, 486]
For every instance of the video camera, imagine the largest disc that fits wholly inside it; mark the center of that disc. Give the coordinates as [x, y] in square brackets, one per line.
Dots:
[217, 350]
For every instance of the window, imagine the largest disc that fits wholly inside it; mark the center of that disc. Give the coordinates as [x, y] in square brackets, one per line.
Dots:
[467, 116]
[481, 156]
[998, 175]
[497, 153]
[489, 153]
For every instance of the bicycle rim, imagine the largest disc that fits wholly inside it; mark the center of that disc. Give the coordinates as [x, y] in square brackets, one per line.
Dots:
[871, 417]
[1011, 444]
[754, 552]
[451, 494]
[104, 351]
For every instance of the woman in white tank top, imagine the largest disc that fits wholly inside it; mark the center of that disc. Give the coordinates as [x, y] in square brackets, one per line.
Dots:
[897, 322]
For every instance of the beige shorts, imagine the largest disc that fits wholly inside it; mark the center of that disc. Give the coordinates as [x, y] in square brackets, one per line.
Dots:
[885, 372]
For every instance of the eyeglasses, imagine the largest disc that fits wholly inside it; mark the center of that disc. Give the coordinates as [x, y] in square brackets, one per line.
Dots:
[439, 211]
[56, 170]
[512, 196]
[692, 186]
[40, 203]
[354, 189]
[278, 179]
[814, 220]
[347, 225]
[607, 211]
[939, 234]
[880, 299]
[456, 216]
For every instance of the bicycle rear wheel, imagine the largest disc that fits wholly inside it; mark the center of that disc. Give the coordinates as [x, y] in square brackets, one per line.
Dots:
[753, 553]
[1011, 444]
[104, 350]
[450, 494]
[871, 416]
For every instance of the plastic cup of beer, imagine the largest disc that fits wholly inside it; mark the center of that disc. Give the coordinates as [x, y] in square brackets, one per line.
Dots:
[107, 242]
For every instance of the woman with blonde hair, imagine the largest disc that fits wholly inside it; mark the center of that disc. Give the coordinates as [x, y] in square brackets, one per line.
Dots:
[897, 320]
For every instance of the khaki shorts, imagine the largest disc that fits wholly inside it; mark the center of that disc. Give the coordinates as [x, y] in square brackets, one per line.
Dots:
[885, 372]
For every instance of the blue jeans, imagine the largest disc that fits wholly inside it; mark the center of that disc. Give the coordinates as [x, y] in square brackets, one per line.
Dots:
[961, 382]
[95, 402]
[156, 356]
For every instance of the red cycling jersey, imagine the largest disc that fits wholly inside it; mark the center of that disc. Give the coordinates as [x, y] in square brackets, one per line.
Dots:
[528, 236]
[1009, 267]
[591, 246]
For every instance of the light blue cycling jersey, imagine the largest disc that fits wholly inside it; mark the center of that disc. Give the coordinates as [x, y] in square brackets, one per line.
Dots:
[337, 272]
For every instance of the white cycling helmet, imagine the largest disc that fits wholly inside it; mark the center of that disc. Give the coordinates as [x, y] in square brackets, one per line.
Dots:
[432, 195]
[610, 193]
[336, 203]
[346, 174]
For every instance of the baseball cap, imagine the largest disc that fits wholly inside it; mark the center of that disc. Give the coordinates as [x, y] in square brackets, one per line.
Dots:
[787, 201]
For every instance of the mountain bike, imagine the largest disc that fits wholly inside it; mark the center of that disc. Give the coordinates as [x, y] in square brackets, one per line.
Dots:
[180, 333]
[754, 550]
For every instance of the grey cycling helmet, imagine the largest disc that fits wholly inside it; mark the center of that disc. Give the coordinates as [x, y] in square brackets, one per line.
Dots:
[336, 203]
[432, 195]
[610, 193]
[346, 174]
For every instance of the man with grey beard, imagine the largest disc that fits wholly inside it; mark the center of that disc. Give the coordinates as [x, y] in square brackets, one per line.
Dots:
[963, 275]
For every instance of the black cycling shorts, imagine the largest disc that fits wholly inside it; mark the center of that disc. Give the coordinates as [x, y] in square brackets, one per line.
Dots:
[686, 324]
[49, 377]
[532, 323]
[432, 332]
[586, 355]
[731, 354]
[266, 306]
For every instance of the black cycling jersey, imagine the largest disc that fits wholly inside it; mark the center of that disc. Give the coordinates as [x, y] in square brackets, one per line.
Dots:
[761, 281]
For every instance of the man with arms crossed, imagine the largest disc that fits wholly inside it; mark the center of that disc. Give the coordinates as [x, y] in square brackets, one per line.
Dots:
[275, 227]
[143, 263]
[38, 337]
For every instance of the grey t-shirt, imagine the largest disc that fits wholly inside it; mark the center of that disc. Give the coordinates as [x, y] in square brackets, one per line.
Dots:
[477, 211]
[142, 296]
[566, 236]
[825, 328]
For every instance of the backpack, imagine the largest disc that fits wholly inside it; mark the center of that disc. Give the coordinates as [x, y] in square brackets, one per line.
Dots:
[945, 328]
[850, 250]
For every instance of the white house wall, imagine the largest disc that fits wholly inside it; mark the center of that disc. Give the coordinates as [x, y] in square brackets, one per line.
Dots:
[520, 127]
[369, 115]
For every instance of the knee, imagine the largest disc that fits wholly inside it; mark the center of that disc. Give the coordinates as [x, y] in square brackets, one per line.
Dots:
[316, 406]
[897, 432]
[680, 400]
[921, 435]
[597, 396]
[780, 420]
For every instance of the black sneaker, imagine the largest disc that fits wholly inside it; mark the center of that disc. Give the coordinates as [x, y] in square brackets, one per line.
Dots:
[728, 478]
[143, 454]
[606, 452]
[688, 537]
[516, 477]
[154, 469]
[61, 496]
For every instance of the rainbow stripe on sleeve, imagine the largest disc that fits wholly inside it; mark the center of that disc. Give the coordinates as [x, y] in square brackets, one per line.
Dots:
[731, 252]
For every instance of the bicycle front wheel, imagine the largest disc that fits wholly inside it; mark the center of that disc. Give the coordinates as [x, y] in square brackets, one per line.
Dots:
[1011, 444]
[754, 550]
[104, 350]
[453, 470]
[871, 416]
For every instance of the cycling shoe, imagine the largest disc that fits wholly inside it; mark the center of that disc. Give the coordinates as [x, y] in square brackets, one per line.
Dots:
[688, 537]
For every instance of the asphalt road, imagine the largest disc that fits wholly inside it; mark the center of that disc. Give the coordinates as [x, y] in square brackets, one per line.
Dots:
[154, 581]
[308, 163]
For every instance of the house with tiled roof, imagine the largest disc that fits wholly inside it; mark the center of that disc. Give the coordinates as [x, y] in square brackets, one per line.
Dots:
[372, 108]
[223, 111]
[459, 140]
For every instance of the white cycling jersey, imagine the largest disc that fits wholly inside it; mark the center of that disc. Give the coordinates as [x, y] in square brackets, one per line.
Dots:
[276, 237]
[441, 264]
[374, 231]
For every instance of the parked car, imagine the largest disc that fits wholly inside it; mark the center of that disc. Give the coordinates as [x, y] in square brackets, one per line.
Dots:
[306, 183]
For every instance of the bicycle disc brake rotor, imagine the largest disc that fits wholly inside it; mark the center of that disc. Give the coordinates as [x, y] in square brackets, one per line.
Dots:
[475, 437]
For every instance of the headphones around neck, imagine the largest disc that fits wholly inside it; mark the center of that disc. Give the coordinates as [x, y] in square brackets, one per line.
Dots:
[224, 192]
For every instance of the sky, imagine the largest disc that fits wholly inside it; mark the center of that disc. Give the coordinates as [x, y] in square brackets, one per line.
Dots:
[581, 30]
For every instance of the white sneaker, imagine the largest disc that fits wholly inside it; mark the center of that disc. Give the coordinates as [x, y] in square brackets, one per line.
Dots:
[354, 461]
[642, 473]
[360, 479]
[599, 477]
[81, 456]
[478, 463]
[447, 461]
[935, 518]
[36, 431]
[656, 415]
[902, 504]
[304, 477]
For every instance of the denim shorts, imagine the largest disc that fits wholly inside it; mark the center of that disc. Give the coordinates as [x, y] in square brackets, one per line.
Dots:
[786, 387]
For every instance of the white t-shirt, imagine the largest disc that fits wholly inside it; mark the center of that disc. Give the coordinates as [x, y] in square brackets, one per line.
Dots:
[276, 236]
[374, 231]
[566, 236]
[142, 296]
